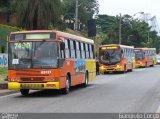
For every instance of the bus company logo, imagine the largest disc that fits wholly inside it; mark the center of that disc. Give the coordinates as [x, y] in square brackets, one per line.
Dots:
[46, 72]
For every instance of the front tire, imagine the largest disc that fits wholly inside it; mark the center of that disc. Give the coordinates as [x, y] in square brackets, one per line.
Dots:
[146, 65]
[125, 69]
[131, 68]
[152, 64]
[67, 88]
[24, 92]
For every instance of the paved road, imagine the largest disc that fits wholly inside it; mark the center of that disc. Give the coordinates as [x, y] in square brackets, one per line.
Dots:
[137, 91]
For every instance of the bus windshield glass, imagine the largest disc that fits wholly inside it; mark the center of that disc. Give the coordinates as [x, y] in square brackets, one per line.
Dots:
[110, 56]
[139, 55]
[25, 55]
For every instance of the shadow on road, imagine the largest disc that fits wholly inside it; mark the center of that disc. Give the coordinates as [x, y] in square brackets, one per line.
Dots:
[53, 93]
[116, 73]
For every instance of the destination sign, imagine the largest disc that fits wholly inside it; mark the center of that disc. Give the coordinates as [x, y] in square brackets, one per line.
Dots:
[110, 47]
[32, 36]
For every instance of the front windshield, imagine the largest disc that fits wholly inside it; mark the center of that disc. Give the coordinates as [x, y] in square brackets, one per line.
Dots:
[110, 56]
[24, 55]
[139, 55]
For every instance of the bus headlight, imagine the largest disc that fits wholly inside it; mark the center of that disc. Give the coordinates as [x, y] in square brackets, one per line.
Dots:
[118, 66]
[102, 67]
[14, 79]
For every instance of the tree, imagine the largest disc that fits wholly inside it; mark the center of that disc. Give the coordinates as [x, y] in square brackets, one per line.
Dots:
[87, 8]
[108, 26]
[134, 32]
[37, 14]
[6, 7]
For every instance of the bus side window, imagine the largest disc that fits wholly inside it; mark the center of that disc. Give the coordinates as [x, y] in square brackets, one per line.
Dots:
[91, 51]
[75, 49]
[67, 49]
[84, 46]
[78, 50]
[87, 50]
[130, 53]
[72, 49]
[62, 55]
[82, 50]
[124, 53]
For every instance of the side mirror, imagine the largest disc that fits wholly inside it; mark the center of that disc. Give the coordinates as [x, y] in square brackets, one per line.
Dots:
[62, 45]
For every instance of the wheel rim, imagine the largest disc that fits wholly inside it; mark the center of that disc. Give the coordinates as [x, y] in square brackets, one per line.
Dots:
[67, 85]
[86, 81]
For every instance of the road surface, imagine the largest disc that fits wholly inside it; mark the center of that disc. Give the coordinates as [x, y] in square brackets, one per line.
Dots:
[137, 91]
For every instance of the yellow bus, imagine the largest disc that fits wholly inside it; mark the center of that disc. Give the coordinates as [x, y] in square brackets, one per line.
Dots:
[116, 58]
[145, 57]
[46, 59]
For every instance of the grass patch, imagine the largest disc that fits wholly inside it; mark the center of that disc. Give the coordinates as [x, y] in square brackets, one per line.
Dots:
[3, 71]
[4, 32]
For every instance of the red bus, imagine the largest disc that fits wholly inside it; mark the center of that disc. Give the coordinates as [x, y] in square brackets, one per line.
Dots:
[46, 59]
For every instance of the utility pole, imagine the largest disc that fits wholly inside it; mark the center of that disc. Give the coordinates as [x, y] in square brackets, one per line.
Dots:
[76, 20]
[148, 40]
[120, 29]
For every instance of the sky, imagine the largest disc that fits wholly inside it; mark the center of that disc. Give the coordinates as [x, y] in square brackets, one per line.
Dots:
[131, 7]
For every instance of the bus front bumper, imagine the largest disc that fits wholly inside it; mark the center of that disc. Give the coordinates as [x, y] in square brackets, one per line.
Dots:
[34, 86]
[112, 69]
[140, 65]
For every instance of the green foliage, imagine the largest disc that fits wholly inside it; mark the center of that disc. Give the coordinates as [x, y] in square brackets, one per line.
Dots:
[37, 14]
[87, 8]
[3, 71]
[108, 27]
[134, 32]
[4, 32]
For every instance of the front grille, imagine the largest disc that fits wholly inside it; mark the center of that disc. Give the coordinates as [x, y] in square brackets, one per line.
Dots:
[110, 69]
[31, 86]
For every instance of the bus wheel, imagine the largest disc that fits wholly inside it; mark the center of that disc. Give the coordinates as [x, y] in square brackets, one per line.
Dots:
[125, 69]
[67, 88]
[85, 84]
[24, 92]
[131, 68]
[146, 65]
[152, 64]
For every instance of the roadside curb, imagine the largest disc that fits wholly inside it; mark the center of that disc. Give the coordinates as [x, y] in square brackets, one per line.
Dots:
[8, 92]
[4, 89]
